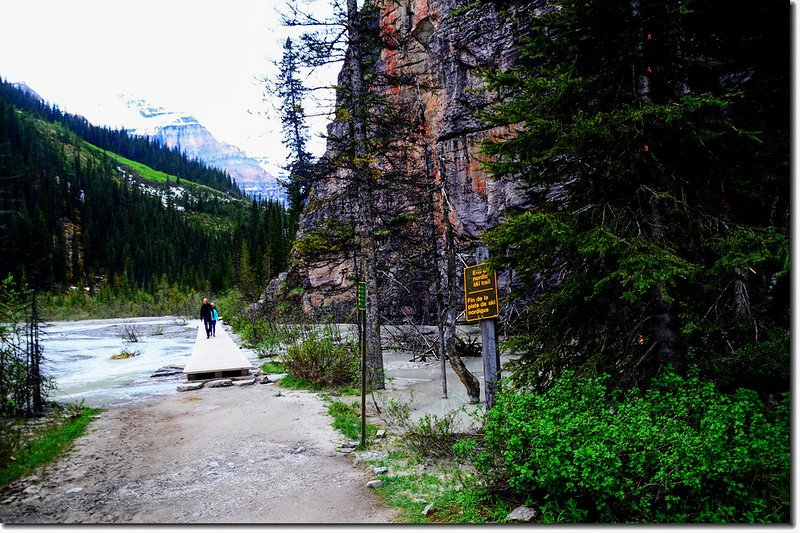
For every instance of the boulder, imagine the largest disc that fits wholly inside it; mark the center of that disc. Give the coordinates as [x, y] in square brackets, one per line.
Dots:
[428, 509]
[378, 470]
[244, 382]
[374, 484]
[380, 433]
[164, 371]
[522, 514]
[368, 456]
[219, 383]
[264, 380]
[186, 387]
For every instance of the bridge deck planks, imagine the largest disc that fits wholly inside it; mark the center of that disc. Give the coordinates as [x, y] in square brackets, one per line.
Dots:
[215, 356]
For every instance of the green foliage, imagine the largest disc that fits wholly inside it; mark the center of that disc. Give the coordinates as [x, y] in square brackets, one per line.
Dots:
[295, 383]
[330, 237]
[23, 386]
[122, 301]
[146, 173]
[679, 452]
[347, 419]
[413, 482]
[323, 360]
[266, 333]
[659, 178]
[271, 367]
[45, 445]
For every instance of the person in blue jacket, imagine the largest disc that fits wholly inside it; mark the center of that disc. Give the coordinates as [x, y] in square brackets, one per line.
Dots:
[214, 318]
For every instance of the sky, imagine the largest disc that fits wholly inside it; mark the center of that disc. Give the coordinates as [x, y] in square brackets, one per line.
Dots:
[200, 57]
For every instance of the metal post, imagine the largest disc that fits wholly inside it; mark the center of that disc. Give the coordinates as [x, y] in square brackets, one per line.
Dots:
[363, 319]
[491, 358]
[491, 361]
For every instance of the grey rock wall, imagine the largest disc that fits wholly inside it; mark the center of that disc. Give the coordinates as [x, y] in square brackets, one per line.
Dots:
[439, 51]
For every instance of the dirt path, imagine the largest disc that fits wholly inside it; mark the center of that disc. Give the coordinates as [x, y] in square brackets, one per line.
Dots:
[232, 455]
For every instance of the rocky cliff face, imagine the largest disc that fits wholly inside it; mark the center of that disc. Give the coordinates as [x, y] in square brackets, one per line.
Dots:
[432, 48]
[175, 129]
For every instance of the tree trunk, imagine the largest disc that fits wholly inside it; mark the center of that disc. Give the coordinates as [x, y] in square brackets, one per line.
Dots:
[471, 383]
[434, 242]
[365, 194]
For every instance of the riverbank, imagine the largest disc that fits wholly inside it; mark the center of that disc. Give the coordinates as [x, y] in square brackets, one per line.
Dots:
[235, 455]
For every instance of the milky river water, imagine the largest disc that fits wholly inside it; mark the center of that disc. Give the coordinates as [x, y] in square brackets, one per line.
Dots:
[78, 358]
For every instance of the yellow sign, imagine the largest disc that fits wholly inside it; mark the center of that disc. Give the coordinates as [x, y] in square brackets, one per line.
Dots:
[480, 292]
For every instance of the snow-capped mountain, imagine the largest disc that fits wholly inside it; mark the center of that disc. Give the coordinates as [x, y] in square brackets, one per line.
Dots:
[22, 86]
[175, 129]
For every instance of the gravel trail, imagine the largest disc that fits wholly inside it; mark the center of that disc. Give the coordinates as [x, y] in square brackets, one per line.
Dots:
[222, 455]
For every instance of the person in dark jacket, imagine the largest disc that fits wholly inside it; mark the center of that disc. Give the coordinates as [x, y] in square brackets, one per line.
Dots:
[205, 316]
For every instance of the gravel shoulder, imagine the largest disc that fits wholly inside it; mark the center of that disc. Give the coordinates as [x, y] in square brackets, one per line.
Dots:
[221, 455]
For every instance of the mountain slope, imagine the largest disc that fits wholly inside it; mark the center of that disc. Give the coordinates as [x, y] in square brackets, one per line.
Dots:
[72, 213]
[185, 133]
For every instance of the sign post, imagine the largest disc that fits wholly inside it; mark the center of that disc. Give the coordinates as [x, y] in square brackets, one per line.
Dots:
[481, 303]
[362, 321]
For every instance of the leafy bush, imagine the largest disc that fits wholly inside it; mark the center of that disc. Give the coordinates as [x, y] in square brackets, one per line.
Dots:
[678, 452]
[320, 360]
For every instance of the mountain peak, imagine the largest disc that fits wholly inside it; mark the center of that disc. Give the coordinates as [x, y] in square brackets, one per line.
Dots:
[22, 86]
[147, 116]
[180, 130]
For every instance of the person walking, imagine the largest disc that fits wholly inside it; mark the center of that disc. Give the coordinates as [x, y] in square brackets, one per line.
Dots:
[205, 316]
[214, 318]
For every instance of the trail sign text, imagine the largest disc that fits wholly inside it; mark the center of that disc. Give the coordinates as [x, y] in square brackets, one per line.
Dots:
[480, 292]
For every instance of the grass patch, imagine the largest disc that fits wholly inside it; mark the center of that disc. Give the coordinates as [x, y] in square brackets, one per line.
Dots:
[410, 485]
[293, 383]
[347, 419]
[149, 174]
[271, 367]
[47, 445]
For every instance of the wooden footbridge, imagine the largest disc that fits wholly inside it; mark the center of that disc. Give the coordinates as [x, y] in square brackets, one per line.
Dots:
[217, 357]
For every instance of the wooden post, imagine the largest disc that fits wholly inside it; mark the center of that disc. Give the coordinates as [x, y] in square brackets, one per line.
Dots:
[491, 357]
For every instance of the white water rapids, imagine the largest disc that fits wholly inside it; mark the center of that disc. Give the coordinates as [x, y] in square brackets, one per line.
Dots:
[78, 358]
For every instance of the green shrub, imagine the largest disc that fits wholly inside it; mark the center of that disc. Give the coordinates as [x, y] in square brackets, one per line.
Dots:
[320, 360]
[678, 452]
[431, 436]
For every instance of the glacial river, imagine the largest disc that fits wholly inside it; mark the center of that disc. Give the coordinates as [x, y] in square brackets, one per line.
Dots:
[78, 358]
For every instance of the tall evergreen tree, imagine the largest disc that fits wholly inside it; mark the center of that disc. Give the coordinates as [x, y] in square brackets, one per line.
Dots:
[347, 36]
[291, 91]
[655, 137]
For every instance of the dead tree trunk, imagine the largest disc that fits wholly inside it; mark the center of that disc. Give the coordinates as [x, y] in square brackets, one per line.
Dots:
[470, 382]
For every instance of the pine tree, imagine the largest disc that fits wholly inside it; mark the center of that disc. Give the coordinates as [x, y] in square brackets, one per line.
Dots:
[346, 37]
[291, 91]
[654, 138]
